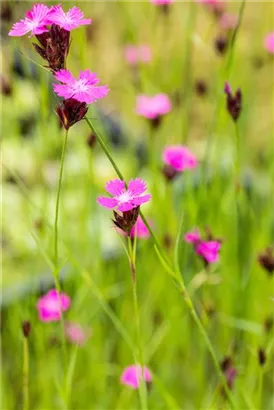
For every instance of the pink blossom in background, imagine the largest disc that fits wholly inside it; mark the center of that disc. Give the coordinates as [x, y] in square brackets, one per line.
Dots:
[51, 306]
[179, 157]
[84, 89]
[228, 21]
[76, 334]
[140, 230]
[124, 199]
[35, 22]
[153, 107]
[269, 43]
[193, 236]
[161, 2]
[209, 250]
[132, 375]
[68, 21]
[137, 54]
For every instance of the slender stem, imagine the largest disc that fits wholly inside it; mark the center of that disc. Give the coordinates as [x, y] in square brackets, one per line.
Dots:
[25, 374]
[178, 279]
[140, 358]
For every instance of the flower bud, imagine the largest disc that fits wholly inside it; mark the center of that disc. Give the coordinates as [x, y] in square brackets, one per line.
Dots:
[71, 111]
[26, 327]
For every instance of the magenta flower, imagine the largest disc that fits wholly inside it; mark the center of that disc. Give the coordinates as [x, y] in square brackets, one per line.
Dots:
[228, 21]
[193, 236]
[35, 22]
[137, 54]
[124, 199]
[84, 89]
[269, 43]
[76, 334]
[132, 376]
[153, 107]
[208, 250]
[161, 2]
[140, 230]
[51, 306]
[68, 21]
[179, 158]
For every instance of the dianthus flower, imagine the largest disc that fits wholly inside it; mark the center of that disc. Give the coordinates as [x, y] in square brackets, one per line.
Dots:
[153, 107]
[74, 18]
[76, 334]
[51, 306]
[137, 54]
[208, 249]
[84, 89]
[269, 43]
[139, 230]
[35, 22]
[179, 157]
[132, 376]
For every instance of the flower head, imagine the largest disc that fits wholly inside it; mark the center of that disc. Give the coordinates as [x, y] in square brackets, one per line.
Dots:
[72, 19]
[35, 22]
[76, 334]
[193, 236]
[269, 43]
[137, 54]
[153, 107]
[208, 250]
[51, 306]
[84, 89]
[161, 2]
[228, 21]
[132, 376]
[124, 199]
[233, 102]
[179, 157]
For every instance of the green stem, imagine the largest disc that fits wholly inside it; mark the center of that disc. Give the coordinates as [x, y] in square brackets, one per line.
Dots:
[25, 374]
[177, 275]
[140, 358]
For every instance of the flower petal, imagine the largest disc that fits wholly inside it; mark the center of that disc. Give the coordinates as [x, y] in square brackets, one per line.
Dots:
[107, 202]
[65, 77]
[137, 186]
[141, 199]
[115, 187]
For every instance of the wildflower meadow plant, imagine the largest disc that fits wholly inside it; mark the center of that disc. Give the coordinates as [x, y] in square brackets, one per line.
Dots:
[90, 280]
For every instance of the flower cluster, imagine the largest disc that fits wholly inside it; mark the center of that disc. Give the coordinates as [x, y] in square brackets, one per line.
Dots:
[208, 249]
[52, 27]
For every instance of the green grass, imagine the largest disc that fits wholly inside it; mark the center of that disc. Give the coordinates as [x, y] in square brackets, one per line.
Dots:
[96, 270]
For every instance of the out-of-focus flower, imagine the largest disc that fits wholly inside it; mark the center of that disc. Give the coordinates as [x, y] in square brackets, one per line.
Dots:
[132, 376]
[208, 249]
[179, 157]
[233, 102]
[153, 107]
[51, 306]
[193, 236]
[84, 89]
[216, 6]
[201, 87]
[124, 199]
[229, 371]
[35, 22]
[26, 328]
[74, 18]
[139, 230]
[54, 47]
[71, 111]
[221, 43]
[266, 259]
[228, 21]
[137, 54]
[76, 334]
[269, 43]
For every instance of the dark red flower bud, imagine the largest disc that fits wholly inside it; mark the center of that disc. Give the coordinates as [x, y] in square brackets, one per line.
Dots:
[71, 111]
[229, 371]
[266, 259]
[156, 122]
[221, 44]
[201, 87]
[268, 324]
[26, 327]
[91, 141]
[169, 172]
[54, 47]
[126, 220]
[6, 87]
[233, 102]
[261, 356]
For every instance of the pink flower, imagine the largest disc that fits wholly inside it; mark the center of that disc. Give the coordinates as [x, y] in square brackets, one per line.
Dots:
[193, 236]
[153, 107]
[179, 157]
[161, 2]
[68, 21]
[51, 305]
[269, 43]
[137, 54]
[35, 22]
[84, 89]
[209, 250]
[140, 230]
[228, 21]
[124, 199]
[132, 375]
[76, 334]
